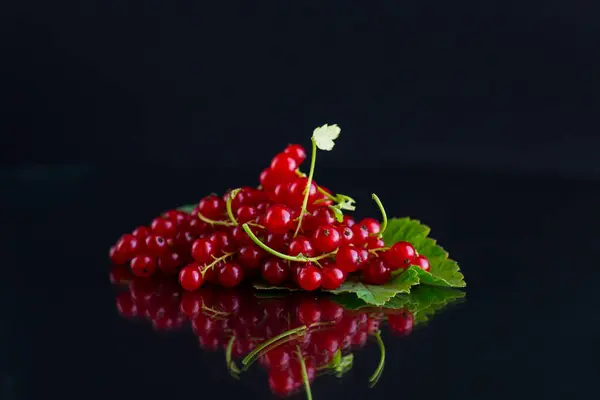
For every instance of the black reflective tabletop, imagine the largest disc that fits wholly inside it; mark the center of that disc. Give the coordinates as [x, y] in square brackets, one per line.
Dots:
[527, 328]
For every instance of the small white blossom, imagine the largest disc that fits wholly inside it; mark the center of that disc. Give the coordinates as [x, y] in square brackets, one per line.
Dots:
[325, 135]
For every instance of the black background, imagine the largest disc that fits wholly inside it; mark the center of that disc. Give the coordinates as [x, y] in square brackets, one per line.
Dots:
[478, 118]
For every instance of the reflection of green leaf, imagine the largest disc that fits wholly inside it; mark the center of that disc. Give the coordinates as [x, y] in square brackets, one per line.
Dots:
[423, 301]
[187, 208]
[261, 285]
[379, 294]
[444, 271]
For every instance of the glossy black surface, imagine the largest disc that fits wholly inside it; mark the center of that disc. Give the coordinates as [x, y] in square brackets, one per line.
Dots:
[525, 245]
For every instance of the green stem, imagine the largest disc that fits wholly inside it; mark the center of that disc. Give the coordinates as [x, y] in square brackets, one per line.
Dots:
[212, 264]
[326, 194]
[230, 198]
[377, 374]
[313, 160]
[281, 255]
[374, 251]
[257, 350]
[383, 213]
[230, 365]
[304, 373]
[213, 222]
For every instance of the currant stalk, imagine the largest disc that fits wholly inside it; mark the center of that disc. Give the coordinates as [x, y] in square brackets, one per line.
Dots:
[311, 172]
[214, 222]
[217, 260]
[231, 367]
[383, 213]
[230, 198]
[254, 353]
[281, 255]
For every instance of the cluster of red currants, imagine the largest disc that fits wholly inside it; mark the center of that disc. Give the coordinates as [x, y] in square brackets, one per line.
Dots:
[287, 231]
[237, 322]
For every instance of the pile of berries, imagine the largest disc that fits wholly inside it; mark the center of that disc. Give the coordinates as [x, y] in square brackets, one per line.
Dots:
[289, 231]
[238, 323]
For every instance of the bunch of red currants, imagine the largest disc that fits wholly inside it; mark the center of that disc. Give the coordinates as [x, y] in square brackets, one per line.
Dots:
[289, 231]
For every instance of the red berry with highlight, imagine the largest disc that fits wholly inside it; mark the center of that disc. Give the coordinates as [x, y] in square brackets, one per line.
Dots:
[250, 256]
[301, 245]
[246, 214]
[274, 271]
[230, 275]
[212, 207]
[422, 262]
[377, 272]
[163, 227]
[348, 258]
[326, 238]
[400, 255]
[297, 152]
[347, 235]
[371, 224]
[143, 265]
[156, 245]
[278, 219]
[283, 165]
[203, 251]
[309, 277]
[373, 242]
[333, 277]
[190, 277]
[360, 235]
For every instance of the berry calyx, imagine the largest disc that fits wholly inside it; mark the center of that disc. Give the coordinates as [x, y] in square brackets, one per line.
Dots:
[143, 265]
[326, 238]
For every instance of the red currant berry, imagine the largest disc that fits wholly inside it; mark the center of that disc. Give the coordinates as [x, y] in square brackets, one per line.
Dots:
[143, 265]
[141, 232]
[301, 245]
[296, 152]
[283, 165]
[333, 277]
[360, 235]
[323, 216]
[222, 241]
[163, 227]
[377, 272]
[245, 214]
[268, 180]
[230, 275]
[278, 219]
[169, 262]
[326, 238]
[176, 216]
[116, 257]
[280, 193]
[402, 322]
[348, 220]
[363, 257]
[203, 251]
[183, 240]
[296, 194]
[240, 237]
[373, 242]
[309, 277]
[262, 206]
[274, 271]
[347, 235]
[212, 207]
[278, 242]
[348, 258]
[422, 262]
[196, 226]
[371, 224]
[128, 247]
[250, 256]
[400, 255]
[156, 245]
[190, 277]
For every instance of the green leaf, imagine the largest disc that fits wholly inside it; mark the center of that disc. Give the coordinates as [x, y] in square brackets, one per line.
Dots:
[339, 215]
[379, 294]
[444, 271]
[187, 208]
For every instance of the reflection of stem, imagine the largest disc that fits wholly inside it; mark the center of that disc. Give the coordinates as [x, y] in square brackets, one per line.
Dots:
[377, 374]
[231, 367]
[230, 198]
[213, 222]
[383, 213]
[311, 172]
[304, 373]
[258, 349]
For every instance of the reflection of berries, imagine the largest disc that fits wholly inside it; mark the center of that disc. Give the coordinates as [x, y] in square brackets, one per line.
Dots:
[401, 322]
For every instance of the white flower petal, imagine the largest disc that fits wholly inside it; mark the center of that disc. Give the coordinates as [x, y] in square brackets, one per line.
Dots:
[325, 135]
